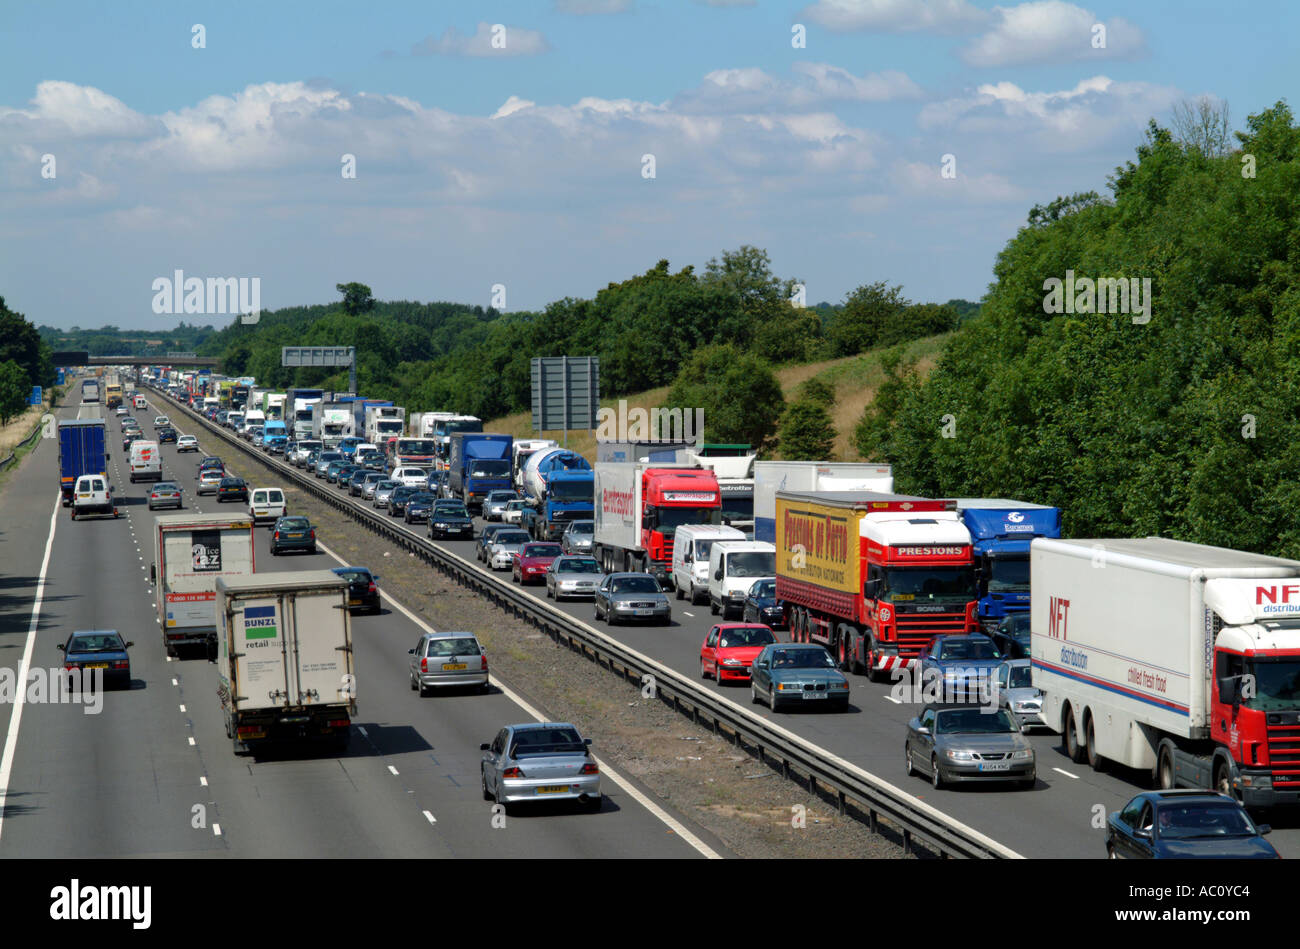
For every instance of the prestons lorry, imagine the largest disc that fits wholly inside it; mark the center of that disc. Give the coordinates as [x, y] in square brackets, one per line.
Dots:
[810, 476]
[873, 577]
[191, 551]
[284, 658]
[1001, 530]
[1176, 658]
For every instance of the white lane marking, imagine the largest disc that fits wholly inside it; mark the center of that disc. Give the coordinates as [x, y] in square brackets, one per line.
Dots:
[15, 719]
[430, 818]
[216, 830]
[691, 615]
[1066, 773]
[392, 769]
[182, 708]
[890, 698]
[191, 739]
[673, 823]
[174, 682]
[364, 733]
[203, 781]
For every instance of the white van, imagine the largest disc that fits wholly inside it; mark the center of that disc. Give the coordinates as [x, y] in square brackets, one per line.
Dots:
[146, 461]
[141, 403]
[411, 475]
[691, 546]
[266, 504]
[93, 495]
[733, 568]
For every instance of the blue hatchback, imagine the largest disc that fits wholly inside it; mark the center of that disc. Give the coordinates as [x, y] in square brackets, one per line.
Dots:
[89, 649]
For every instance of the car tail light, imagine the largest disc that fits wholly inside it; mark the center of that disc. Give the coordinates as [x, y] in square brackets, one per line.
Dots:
[484, 664]
[512, 773]
[313, 535]
[121, 664]
[371, 588]
[591, 768]
[424, 665]
[277, 535]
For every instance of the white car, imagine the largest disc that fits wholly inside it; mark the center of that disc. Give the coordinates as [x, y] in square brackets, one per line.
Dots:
[414, 477]
[266, 504]
[121, 410]
[513, 511]
[187, 443]
[93, 495]
[161, 421]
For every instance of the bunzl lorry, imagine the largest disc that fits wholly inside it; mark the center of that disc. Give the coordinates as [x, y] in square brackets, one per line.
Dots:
[82, 451]
[873, 577]
[1001, 531]
[284, 659]
[638, 508]
[561, 486]
[812, 477]
[479, 463]
[191, 551]
[1174, 658]
[384, 422]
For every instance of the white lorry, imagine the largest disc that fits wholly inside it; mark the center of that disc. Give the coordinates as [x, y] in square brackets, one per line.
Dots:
[813, 477]
[1175, 658]
[331, 426]
[384, 422]
[191, 551]
[284, 658]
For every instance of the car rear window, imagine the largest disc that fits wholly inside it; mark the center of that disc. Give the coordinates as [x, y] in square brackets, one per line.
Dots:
[455, 646]
[294, 523]
[96, 643]
[546, 741]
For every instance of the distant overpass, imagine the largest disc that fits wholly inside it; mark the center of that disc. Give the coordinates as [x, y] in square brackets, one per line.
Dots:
[83, 358]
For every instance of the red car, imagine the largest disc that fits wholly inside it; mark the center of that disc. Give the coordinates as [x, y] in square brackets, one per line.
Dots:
[729, 648]
[530, 566]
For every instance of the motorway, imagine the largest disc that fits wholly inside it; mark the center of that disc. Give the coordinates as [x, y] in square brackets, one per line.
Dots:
[153, 773]
[1063, 816]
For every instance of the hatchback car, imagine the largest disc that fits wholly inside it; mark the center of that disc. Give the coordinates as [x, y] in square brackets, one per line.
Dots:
[513, 510]
[533, 560]
[266, 504]
[632, 596]
[232, 489]
[131, 436]
[187, 443]
[484, 542]
[572, 576]
[211, 461]
[293, 533]
[167, 434]
[762, 606]
[383, 490]
[577, 537]
[447, 659]
[729, 649]
[210, 479]
[165, 494]
[398, 497]
[797, 674]
[540, 761]
[969, 742]
[495, 503]
[102, 649]
[363, 593]
[1185, 824]
[1018, 695]
[161, 421]
[505, 547]
[324, 461]
[335, 469]
[357, 488]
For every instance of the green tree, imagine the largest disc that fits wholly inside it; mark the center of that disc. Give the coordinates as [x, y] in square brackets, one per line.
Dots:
[14, 390]
[817, 390]
[857, 326]
[356, 298]
[807, 432]
[739, 393]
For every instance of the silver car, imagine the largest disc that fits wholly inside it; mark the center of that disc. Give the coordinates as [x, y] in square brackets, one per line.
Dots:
[495, 503]
[540, 761]
[578, 536]
[369, 486]
[572, 576]
[448, 659]
[505, 545]
[1017, 694]
[209, 478]
[383, 490]
[632, 596]
[969, 742]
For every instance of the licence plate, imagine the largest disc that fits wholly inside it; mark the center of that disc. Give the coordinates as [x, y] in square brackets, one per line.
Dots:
[294, 536]
[815, 695]
[354, 602]
[95, 665]
[553, 789]
[995, 765]
[645, 612]
[453, 666]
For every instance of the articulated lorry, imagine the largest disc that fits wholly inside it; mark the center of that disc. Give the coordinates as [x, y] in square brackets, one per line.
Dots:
[873, 577]
[327, 422]
[523, 449]
[640, 505]
[479, 464]
[1001, 530]
[383, 422]
[561, 487]
[82, 450]
[191, 552]
[414, 451]
[285, 669]
[1175, 658]
[812, 477]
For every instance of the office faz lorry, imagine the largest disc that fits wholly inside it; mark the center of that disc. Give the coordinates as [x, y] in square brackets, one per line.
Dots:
[190, 552]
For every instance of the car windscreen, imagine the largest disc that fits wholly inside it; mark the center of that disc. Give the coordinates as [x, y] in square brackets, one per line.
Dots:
[646, 584]
[745, 636]
[968, 649]
[1190, 821]
[1021, 677]
[450, 510]
[577, 566]
[542, 550]
[582, 527]
[495, 496]
[489, 468]
[751, 563]
[546, 741]
[510, 538]
[802, 659]
[974, 721]
[458, 646]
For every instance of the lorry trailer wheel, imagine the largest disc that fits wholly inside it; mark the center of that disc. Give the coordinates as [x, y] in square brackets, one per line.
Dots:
[1096, 761]
[1070, 739]
[1164, 778]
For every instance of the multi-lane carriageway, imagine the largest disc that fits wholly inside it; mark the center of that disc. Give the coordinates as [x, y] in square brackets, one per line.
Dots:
[153, 773]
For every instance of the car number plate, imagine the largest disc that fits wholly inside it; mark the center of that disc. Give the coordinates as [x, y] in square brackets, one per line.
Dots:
[453, 666]
[815, 695]
[553, 789]
[354, 602]
[294, 536]
[995, 765]
[645, 612]
[95, 665]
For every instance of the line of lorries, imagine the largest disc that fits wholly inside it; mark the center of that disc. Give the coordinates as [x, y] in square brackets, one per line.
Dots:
[1173, 658]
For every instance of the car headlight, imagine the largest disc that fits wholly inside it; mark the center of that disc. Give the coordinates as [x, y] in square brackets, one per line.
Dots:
[1028, 705]
[789, 687]
[440, 525]
[1022, 754]
[839, 685]
[732, 662]
[960, 755]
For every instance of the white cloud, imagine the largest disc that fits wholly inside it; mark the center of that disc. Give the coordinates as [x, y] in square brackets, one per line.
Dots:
[589, 7]
[66, 110]
[1044, 31]
[987, 188]
[514, 41]
[751, 89]
[896, 16]
[512, 105]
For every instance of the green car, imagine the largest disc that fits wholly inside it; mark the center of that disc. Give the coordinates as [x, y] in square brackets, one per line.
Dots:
[293, 533]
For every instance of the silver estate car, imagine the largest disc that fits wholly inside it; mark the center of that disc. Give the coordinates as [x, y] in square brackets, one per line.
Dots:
[577, 537]
[969, 742]
[448, 659]
[629, 596]
[540, 761]
[1017, 694]
[572, 576]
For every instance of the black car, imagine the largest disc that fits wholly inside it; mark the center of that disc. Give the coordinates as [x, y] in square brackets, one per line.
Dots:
[166, 434]
[418, 506]
[103, 649]
[354, 480]
[761, 604]
[293, 533]
[450, 519]
[232, 489]
[129, 437]
[362, 592]
[1012, 636]
[1183, 824]
[397, 500]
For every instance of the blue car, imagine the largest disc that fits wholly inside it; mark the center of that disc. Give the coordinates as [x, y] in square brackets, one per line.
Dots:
[348, 446]
[786, 674]
[966, 665]
[90, 649]
[762, 606]
[1183, 824]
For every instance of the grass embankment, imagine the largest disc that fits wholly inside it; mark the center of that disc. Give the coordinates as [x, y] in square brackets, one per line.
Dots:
[854, 378]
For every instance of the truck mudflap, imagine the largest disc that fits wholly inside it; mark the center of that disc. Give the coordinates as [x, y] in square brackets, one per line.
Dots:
[331, 723]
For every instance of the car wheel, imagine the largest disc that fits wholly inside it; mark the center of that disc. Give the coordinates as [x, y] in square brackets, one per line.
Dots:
[936, 779]
[1110, 852]
[411, 681]
[907, 752]
[482, 777]
[275, 552]
[1028, 784]
[677, 590]
[754, 697]
[771, 698]
[313, 548]
[713, 607]
[594, 804]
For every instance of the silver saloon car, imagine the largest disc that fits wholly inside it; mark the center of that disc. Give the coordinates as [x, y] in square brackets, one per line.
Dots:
[624, 597]
[577, 537]
[540, 761]
[505, 546]
[572, 576]
[969, 742]
[448, 659]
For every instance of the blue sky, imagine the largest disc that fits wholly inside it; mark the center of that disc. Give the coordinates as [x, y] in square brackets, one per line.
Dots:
[522, 166]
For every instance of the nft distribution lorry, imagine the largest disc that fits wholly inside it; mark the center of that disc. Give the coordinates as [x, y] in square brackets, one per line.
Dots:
[1001, 531]
[191, 552]
[284, 658]
[1176, 658]
[873, 577]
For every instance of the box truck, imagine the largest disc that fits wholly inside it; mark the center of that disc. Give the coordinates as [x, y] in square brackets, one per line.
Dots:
[479, 464]
[1001, 530]
[284, 659]
[1175, 658]
[191, 551]
[812, 477]
[82, 451]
